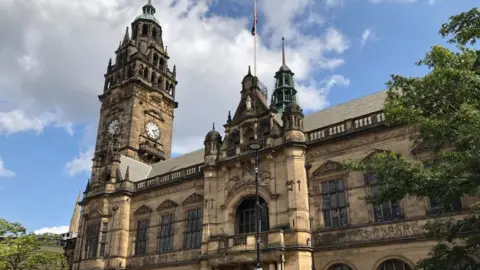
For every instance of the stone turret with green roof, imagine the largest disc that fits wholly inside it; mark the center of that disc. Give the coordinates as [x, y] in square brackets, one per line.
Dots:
[284, 92]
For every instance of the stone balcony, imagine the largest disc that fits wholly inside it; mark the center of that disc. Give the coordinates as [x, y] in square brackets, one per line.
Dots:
[246, 242]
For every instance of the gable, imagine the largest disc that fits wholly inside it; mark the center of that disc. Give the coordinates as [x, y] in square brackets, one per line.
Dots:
[327, 167]
[192, 199]
[167, 204]
[142, 210]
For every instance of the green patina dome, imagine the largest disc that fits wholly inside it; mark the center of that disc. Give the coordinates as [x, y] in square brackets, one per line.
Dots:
[148, 13]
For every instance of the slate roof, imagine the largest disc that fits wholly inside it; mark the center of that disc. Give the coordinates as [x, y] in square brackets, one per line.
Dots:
[329, 116]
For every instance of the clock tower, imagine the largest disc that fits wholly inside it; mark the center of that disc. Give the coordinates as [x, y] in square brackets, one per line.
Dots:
[138, 99]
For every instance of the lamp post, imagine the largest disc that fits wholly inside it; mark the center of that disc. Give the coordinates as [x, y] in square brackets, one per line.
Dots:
[255, 146]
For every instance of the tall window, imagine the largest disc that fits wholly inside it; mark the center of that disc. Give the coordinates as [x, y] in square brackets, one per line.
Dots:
[103, 238]
[193, 235]
[334, 204]
[394, 265]
[339, 266]
[165, 239]
[245, 216]
[436, 206]
[142, 237]
[92, 240]
[386, 211]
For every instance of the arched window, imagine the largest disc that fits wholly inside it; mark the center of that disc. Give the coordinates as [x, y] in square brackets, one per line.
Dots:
[154, 33]
[245, 216]
[394, 264]
[145, 30]
[340, 266]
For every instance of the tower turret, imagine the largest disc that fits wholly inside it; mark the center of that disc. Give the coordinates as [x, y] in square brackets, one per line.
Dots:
[284, 92]
[213, 142]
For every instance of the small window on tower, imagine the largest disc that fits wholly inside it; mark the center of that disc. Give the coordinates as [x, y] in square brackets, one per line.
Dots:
[287, 80]
[154, 33]
[145, 30]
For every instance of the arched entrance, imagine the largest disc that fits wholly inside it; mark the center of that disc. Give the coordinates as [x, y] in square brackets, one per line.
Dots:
[245, 219]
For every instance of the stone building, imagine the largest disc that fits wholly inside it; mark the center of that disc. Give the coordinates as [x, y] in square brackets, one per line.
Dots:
[143, 209]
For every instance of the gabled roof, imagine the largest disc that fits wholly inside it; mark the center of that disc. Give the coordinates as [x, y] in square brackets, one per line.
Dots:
[329, 116]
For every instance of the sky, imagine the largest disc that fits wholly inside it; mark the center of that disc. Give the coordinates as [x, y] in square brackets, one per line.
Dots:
[53, 54]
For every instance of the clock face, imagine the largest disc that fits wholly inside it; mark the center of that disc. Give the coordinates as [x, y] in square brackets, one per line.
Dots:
[153, 131]
[114, 127]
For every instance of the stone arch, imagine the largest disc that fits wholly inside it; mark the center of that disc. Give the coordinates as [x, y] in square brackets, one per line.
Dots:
[341, 262]
[244, 213]
[393, 257]
[240, 195]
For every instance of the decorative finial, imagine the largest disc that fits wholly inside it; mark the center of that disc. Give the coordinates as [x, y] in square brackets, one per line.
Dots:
[249, 72]
[283, 51]
[149, 2]
[174, 69]
[126, 38]
[229, 119]
[166, 49]
[213, 127]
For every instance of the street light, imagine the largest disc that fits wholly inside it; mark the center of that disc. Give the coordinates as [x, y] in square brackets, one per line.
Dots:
[255, 146]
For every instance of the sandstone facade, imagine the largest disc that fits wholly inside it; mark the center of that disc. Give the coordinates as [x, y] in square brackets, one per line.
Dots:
[145, 210]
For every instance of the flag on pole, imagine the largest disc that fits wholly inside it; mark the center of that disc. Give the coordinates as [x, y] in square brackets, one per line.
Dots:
[255, 21]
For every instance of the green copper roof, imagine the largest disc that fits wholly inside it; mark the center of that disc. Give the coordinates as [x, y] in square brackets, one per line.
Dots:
[145, 16]
[148, 13]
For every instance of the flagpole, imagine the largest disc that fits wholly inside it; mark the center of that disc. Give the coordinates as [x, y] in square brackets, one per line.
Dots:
[255, 39]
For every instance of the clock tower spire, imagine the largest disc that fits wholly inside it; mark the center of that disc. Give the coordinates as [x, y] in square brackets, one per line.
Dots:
[138, 99]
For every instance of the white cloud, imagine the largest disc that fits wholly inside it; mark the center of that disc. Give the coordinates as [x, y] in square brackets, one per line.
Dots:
[58, 67]
[4, 172]
[367, 35]
[334, 3]
[81, 163]
[56, 229]
[313, 97]
[394, 1]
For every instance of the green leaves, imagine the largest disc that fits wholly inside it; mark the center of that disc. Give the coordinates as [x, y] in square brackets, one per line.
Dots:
[465, 27]
[444, 109]
[22, 251]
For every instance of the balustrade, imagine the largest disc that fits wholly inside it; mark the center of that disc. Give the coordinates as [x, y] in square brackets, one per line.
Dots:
[347, 126]
[188, 172]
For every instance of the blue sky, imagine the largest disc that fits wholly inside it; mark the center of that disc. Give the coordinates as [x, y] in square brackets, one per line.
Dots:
[339, 50]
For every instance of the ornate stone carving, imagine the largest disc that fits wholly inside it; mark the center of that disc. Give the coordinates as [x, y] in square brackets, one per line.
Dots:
[167, 204]
[155, 114]
[328, 166]
[192, 199]
[142, 210]
[371, 234]
[247, 177]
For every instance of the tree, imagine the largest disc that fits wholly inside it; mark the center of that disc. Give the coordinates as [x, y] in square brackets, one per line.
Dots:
[443, 109]
[20, 250]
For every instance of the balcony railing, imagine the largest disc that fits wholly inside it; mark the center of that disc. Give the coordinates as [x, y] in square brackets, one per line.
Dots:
[246, 242]
[347, 126]
[241, 149]
[189, 172]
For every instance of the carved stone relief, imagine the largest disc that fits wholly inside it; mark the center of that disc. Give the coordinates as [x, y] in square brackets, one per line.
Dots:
[247, 177]
[142, 210]
[371, 234]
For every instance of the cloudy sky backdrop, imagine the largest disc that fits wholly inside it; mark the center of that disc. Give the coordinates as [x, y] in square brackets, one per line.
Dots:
[53, 54]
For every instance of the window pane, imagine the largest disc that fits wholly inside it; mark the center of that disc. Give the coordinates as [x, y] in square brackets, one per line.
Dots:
[326, 201]
[324, 188]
